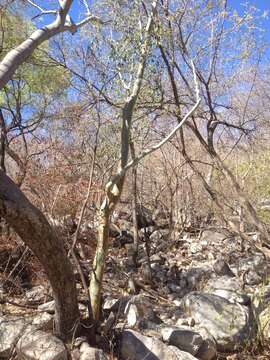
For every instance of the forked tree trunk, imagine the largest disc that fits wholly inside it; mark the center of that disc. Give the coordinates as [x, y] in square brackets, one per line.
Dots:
[115, 185]
[33, 228]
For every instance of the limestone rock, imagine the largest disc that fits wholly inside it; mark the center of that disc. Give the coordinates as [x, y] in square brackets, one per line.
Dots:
[255, 264]
[213, 236]
[183, 338]
[221, 268]
[116, 305]
[39, 345]
[231, 325]
[135, 346]
[228, 288]
[13, 327]
[36, 294]
[89, 353]
[138, 311]
[196, 341]
[50, 308]
[252, 278]
[208, 349]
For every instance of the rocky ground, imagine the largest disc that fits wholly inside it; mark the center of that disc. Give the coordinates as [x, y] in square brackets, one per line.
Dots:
[206, 297]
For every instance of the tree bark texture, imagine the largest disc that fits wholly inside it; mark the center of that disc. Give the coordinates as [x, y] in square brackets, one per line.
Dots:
[33, 228]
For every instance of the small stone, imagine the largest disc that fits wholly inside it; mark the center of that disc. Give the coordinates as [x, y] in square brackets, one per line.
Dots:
[177, 302]
[139, 310]
[36, 294]
[109, 303]
[221, 268]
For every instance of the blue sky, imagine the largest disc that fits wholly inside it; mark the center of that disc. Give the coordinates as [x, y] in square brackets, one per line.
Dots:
[262, 5]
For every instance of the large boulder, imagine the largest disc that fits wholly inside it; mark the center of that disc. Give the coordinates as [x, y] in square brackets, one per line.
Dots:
[229, 288]
[135, 346]
[231, 324]
[39, 345]
[13, 327]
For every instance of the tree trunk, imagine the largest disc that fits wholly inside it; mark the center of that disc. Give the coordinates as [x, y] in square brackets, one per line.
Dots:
[112, 196]
[32, 226]
[17, 56]
[99, 261]
[115, 185]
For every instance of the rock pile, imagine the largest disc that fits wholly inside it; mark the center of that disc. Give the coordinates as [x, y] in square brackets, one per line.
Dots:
[206, 295]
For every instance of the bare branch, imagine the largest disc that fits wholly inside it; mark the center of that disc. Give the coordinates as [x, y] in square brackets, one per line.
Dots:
[36, 6]
[146, 152]
[63, 22]
[171, 134]
[42, 11]
[88, 19]
[87, 7]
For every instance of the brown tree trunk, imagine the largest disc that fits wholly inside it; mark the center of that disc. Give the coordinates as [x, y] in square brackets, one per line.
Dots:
[33, 228]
